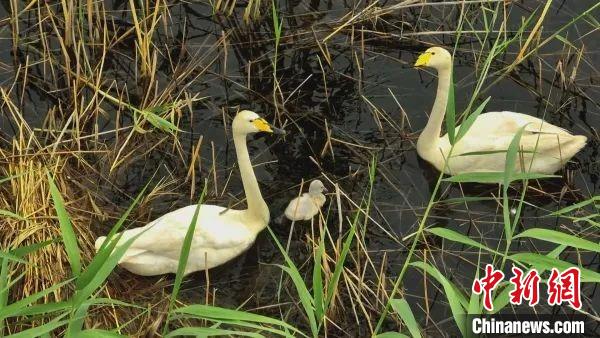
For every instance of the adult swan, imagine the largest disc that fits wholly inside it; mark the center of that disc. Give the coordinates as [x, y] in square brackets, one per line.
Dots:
[546, 148]
[221, 234]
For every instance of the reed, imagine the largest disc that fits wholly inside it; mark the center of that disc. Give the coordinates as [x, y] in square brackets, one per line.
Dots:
[107, 119]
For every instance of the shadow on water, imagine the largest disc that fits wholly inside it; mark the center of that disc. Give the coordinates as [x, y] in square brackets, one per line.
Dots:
[363, 92]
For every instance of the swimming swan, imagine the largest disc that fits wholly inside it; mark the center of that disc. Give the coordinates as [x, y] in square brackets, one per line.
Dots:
[491, 132]
[305, 207]
[220, 234]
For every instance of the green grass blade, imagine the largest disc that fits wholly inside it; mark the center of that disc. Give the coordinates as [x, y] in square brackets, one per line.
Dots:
[25, 250]
[451, 111]
[542, 263]
[108, 246]
[8, 178]
[468, 122]
[159, 122]
[184, 256]
[11, 257]
[305, 297]
[93, 333]
[102, 272]
[258, 327]
[456, 300]
[41, 330]
[403, 310]
[47, 308]
[11, 281]
[276, 23]
[475, 305]
[337, 272]
[66, 229]
[317, 279]
[576, 206]
[80, 303]
[210, 332]
[511, 156]
[228, 315]
[391, 334]
[560, 238]
[76, 321]
[502, 298]
[463, 200]
[556, 252]
[4, 289]
[109, 301]
[15, 308]
[68, 234]
[11, 214]
[460, 238]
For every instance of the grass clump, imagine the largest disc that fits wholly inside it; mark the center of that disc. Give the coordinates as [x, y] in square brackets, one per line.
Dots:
[97, 100]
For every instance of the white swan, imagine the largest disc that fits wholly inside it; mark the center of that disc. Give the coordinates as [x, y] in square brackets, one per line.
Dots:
[220, 234]
[305, 207]
[491, 132]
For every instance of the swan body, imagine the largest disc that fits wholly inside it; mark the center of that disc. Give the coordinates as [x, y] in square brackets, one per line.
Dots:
[220, 235]
[217, 239]
[305, 207]
[545, 148]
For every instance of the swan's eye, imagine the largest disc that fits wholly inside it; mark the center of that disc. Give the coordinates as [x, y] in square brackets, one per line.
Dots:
[432, 53]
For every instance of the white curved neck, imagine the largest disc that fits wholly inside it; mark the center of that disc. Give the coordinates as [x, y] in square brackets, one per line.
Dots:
[427, 145]
[258, 211]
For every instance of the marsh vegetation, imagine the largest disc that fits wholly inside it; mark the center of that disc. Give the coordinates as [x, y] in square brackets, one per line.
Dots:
[114, 113]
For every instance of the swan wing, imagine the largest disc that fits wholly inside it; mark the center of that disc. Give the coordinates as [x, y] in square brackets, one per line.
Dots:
[507, 123]
[494, 131]
[484, 146]
[215, 229]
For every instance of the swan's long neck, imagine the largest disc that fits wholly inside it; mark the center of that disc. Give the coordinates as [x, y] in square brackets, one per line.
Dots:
[427, 145]
[258, 211]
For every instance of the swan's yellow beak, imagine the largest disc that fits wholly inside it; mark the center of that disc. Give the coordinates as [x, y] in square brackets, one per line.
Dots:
[263, 125]
[423, 59]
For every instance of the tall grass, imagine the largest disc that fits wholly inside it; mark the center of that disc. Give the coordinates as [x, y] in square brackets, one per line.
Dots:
[458, 302]
[53, 283]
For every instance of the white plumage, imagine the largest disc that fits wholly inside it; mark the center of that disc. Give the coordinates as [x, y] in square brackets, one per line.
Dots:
[546, 148]
[220, 234]
[305, 207]
[217, 239]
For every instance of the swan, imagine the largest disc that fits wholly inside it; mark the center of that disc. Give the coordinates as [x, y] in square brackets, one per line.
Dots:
[305, 207]
[221, 234]
[490, 133]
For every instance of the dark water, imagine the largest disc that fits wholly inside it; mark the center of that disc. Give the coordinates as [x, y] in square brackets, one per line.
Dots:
[367, 70]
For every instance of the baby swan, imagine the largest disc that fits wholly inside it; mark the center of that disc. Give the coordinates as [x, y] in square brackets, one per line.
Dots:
[483, 147]
[220, 234]
[305, 207]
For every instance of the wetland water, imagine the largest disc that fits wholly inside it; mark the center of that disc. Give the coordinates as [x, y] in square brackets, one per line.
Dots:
[364, 93]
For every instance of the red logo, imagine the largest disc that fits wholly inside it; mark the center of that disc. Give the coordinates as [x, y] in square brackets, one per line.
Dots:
[487, 284]
[525, 288]
[564, 287]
